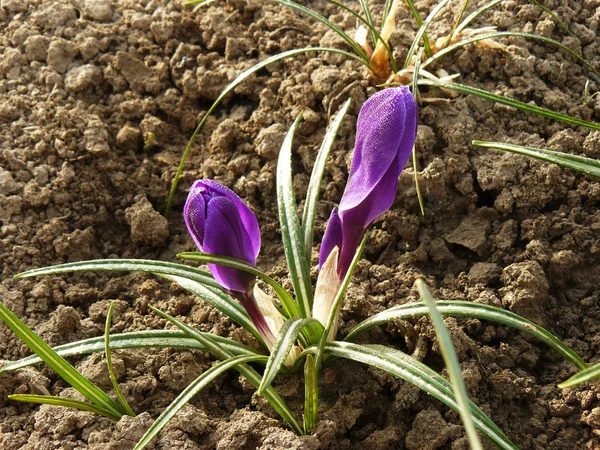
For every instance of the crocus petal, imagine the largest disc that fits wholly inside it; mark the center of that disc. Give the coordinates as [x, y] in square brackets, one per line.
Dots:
[194, 214]
[386, 132]
[332, 237]
[224, 234]
[328, 285]
[249, 221]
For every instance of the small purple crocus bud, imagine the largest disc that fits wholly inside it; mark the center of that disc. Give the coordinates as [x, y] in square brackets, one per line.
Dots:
[220, 223]
[385, 136]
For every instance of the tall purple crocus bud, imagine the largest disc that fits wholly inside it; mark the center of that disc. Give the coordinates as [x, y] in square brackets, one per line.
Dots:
[221, 224]
[385, 135]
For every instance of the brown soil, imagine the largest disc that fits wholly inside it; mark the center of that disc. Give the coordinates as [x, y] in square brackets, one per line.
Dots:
[84, 84]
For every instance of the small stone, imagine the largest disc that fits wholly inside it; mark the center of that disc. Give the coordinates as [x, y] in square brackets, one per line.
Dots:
[89, 48]
[141, 21]
[471, 233]
[148, 226]
[99, 10]
[269, 140]
[81, 77]
[485, 273]
[36, 48]
[7, 184]
[129, 138]
[139, 77]
[10, 206]
[11, 58]
[14, 6]
[55, 15]
[96, 137]
[61, 54]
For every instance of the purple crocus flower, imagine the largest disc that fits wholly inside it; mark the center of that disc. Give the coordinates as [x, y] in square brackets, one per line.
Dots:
[220, 223]
[385, 135]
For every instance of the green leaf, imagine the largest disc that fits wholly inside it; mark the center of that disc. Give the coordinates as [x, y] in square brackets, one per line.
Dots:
[65, 370]
[137, 339]
[418, 374]
[581, 164]
[190, 392]
[463, 89]
[221, 301]
[375, 36]
[471, 17]
[196, 281]
[312, 195]
[111, 372]
[281, 349]
[589, 374]
[230, 87]
[369, 21]
[290, 307]
[452, 365]
[498, 34]
[293, 241]
[422, 30]
[468, 309]
[127, 265]
[329, 24]
[553, 15]
[337, 303]
[311, 394]
[419, 22]
[61, 401]
[415, 93]
[270, 394]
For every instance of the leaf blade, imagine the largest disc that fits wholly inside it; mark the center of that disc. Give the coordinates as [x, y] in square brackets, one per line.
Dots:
[62, 401]
[581, 164]
[283, 345]
[417, 373]
[286, 299]
[468, 309]
[65, 370]
[293, 241]
[190, 392]
[312, 195]
[452, 365]
[469, 90]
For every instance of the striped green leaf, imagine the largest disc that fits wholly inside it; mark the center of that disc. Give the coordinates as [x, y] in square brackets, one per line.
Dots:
[589, 374]
[314, 186]
[464, 89]
[414, 372]
[127, 265]
[291, 233]
[311, 394]
[286, 340]
[61, 401]
[137, 339]
[581, 164]
[196, 281]
[57, 363]
[452, 365]
[468, 309]
[190, 392]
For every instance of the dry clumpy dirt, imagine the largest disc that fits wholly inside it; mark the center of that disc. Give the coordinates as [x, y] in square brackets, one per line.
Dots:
[97, 101]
